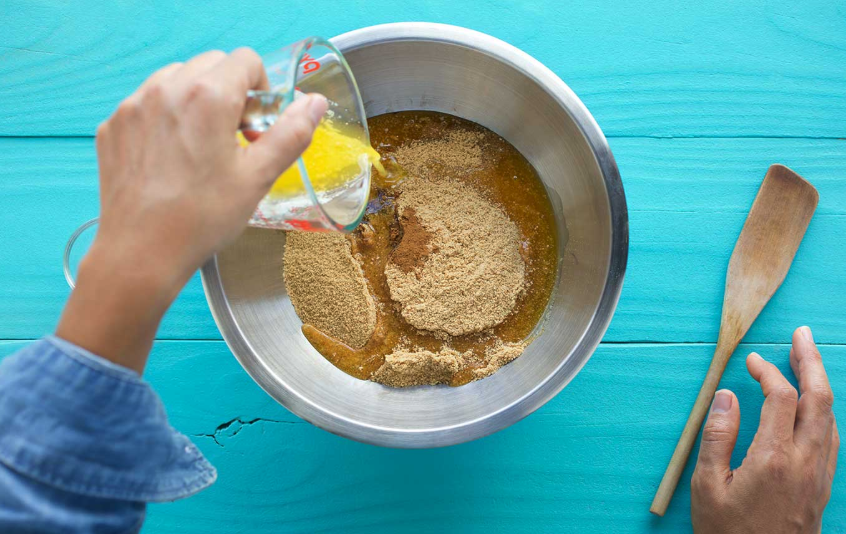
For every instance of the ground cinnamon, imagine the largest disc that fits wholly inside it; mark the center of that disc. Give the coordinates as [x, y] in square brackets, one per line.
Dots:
[414, 245]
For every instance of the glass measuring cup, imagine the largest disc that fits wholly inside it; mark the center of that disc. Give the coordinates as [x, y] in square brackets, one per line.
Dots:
[326, 189]
[330, 184]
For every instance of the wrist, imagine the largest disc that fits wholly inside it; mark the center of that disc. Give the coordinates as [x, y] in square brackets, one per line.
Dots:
[117, 305]
[144, 276]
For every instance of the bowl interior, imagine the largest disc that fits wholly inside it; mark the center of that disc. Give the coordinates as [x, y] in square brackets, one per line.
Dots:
[492, 90]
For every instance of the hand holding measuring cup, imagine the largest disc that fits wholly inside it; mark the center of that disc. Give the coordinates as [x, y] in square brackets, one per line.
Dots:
[175, 186]
[174, 182]
[195, 109]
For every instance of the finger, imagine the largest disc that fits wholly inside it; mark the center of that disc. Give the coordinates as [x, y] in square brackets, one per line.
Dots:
[239, 72]
[280, 146]
[831, 466]
[778, 414]
[807, 364]
[719, 436]
[160, 76]
[197, 66]
[816, 398]
[157, 78]
[820, 459]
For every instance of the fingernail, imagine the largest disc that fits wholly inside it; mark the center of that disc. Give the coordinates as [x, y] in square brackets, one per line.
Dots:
[756, 355]
[806, 333]
[722, 402]
[317, 106]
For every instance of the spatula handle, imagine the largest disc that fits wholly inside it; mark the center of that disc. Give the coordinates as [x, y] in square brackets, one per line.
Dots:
[691, 429]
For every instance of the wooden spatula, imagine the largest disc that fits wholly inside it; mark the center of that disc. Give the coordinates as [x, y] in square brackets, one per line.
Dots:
[760, 261]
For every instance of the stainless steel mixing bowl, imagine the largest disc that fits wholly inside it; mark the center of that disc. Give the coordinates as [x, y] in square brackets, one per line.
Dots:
[417, 66]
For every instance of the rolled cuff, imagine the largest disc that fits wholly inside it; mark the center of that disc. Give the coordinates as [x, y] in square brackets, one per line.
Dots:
[78, 422]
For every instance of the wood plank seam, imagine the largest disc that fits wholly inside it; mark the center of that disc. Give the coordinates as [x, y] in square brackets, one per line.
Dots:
[641, 344]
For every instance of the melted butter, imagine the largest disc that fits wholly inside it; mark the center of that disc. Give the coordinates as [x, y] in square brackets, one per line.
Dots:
[507, 179]
[333, 159]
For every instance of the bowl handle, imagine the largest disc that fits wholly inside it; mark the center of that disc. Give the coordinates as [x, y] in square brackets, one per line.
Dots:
[66, 259]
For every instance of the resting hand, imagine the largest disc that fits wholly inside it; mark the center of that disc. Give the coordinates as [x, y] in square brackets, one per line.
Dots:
[784, 483]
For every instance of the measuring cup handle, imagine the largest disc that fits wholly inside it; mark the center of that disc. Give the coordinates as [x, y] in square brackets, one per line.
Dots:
[261, 111]
[66, 259]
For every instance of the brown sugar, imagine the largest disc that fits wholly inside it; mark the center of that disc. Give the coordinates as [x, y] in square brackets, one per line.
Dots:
[474, 273]
[327, 287]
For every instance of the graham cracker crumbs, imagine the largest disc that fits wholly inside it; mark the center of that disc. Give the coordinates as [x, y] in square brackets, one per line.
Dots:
[419, 367]
[497, 356]
[459, 152]
[474, 272]
[327, 287]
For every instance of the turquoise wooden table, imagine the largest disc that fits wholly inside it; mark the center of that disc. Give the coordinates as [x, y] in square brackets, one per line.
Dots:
[697, 99]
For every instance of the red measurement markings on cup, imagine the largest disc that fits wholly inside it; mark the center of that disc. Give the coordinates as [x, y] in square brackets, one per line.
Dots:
[309, 64]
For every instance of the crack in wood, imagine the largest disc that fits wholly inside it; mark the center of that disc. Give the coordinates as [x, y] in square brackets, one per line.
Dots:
[236, 425]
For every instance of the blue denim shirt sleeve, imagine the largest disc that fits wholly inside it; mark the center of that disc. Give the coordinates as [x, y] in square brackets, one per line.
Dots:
[84, 443]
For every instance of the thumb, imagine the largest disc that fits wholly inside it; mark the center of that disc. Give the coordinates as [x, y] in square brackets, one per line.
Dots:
[280, 146]
[720, 434]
